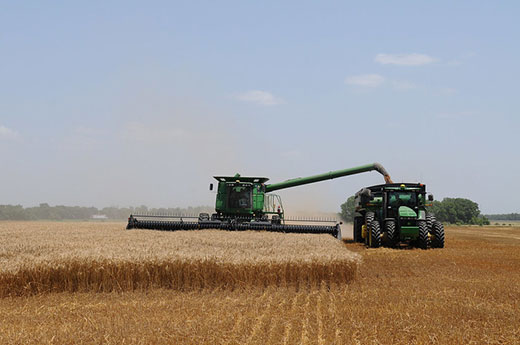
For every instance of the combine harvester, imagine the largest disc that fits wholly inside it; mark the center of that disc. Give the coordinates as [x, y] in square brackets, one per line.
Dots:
[246, 203]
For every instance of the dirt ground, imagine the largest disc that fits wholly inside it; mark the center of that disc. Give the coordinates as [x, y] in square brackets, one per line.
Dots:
[466, 293]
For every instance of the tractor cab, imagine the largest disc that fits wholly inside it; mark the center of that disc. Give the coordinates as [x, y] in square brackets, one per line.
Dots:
[240, 196]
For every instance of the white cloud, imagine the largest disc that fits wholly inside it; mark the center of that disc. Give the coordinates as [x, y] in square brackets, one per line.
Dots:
[7, 133]
[260, 97]
[369, 80]
[404, 59]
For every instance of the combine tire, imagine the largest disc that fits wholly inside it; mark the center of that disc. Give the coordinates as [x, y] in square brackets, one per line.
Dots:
[375, 234]
[391, 233]
[358, 223]
[423, 240]
[438, 235]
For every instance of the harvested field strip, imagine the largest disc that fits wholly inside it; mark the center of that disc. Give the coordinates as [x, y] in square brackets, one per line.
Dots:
[108, 276]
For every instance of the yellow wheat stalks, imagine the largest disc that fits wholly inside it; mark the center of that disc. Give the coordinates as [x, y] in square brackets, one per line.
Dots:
[56, 257]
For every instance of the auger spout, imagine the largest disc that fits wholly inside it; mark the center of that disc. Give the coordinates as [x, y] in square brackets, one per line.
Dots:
[328, 176]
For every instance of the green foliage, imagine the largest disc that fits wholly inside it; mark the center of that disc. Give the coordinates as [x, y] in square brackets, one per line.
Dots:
[458, 211]
[507, 216]
[46, 212]
[347, 210]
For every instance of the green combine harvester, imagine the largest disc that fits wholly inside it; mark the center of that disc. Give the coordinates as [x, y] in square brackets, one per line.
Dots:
[247, 203]
[395, 213]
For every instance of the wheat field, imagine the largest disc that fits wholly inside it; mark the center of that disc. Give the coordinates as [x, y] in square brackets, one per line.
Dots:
[466, 293]
[39, 257]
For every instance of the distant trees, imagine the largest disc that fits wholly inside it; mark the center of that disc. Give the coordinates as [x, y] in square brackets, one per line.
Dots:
[347, 210]
[506, 216]
[458, 210]
[46, 212]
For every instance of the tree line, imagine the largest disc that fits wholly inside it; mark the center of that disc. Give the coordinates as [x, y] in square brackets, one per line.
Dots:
[60, 212]
[449, 210]
[506, 216]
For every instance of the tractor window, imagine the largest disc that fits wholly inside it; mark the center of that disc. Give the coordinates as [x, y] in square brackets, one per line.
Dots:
[239, 197]
[402, 199]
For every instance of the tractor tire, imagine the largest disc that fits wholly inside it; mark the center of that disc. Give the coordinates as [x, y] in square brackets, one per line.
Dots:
[423, 240]
[430, 218]
[369, 217]
[374, 234]
[358, 223]
[391, 233]
[438, 235]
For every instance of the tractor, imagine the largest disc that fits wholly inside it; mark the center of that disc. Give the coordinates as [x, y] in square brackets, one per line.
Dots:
[396, 213]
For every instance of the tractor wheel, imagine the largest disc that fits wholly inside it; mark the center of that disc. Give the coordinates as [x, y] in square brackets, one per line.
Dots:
[438, 235]
[430, 218]
[391, 233]
[369, 217]
[358, 223]
[375, 234]
[423, 240]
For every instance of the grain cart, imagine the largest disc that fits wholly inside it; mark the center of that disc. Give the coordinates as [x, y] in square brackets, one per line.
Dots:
[247, 203]
[395, 213]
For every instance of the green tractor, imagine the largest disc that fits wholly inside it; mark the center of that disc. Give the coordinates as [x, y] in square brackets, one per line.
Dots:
[396, 213]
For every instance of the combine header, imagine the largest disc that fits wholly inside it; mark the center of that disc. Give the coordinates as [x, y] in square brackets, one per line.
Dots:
[246, 203]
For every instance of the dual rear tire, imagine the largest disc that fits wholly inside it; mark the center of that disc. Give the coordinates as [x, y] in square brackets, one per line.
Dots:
[437, 232]
[373, 238]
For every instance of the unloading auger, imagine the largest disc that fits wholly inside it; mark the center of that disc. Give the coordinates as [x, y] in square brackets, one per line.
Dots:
[246, 203]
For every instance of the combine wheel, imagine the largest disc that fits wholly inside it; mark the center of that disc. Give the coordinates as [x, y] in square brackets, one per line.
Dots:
[375, 234]
[423, 240]
[391, 233]
[438, 235]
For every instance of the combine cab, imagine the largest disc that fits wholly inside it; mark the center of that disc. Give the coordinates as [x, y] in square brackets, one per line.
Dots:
[247, 203]
[395, 213]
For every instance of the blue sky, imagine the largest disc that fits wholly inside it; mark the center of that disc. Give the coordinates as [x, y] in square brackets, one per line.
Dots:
[128, 103]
